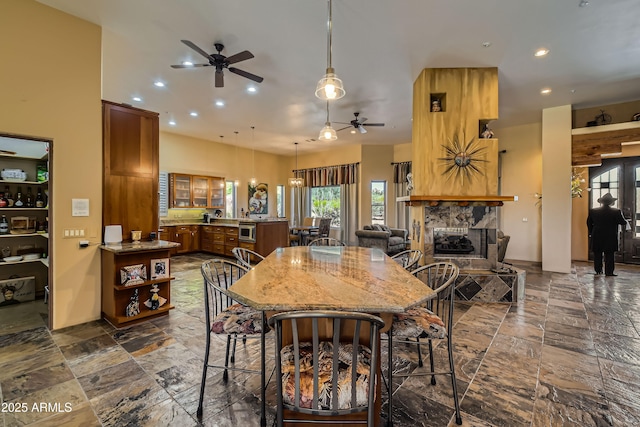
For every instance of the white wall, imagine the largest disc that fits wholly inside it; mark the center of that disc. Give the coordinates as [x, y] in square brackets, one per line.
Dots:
[522, 177]
[556, 189]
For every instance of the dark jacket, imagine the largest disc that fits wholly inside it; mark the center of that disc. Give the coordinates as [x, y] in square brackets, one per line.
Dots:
[603, 224]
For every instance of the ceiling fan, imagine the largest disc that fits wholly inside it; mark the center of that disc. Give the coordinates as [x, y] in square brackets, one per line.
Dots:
[221, 62]
[358, 124]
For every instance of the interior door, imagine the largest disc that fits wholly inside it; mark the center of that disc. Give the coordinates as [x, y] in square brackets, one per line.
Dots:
[621, 178]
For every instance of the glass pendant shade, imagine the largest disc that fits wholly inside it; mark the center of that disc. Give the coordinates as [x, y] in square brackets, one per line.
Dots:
[328, 133]
[330, 86]
[296, 182]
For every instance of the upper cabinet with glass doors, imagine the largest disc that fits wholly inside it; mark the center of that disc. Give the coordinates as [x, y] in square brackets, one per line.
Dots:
[195, 191]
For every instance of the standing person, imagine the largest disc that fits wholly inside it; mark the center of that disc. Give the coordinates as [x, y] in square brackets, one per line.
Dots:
[603, 224]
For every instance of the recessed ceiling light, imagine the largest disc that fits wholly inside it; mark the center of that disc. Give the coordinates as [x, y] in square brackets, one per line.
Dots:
[158, 83]
[353, 131]
[486, 44]
[187, 63]
[541, 52]
[220, 103]
[545, 91]
[252, 89]
[137, 99]
[172, 123]
[193, 114]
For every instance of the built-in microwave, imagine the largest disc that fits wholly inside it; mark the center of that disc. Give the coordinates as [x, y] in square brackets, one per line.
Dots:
[247, 232]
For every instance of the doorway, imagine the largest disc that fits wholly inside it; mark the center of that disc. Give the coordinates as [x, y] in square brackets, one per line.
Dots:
[621, 178]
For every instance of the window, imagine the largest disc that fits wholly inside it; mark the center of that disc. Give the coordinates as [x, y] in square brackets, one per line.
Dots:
[280, 201]
[325, 202]
[230, 202]
[378, 202]
[606, 182]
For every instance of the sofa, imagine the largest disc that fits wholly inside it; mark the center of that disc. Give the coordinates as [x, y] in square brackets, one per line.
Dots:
[389, 240]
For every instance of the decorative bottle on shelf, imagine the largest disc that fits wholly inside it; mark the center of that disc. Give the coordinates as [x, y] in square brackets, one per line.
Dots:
[8, 196]
[29, 202]
[4, 225]
[18, 203]
[3, 201]
[39, 199]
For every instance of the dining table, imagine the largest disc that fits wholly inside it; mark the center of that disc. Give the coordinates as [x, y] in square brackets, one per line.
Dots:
[346, 278]
[302, 231]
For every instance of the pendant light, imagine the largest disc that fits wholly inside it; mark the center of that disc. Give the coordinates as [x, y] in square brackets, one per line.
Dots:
[296, 182]
[327, 133]
[330, 86]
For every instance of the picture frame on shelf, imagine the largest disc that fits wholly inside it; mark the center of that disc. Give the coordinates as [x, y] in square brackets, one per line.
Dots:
[159, 268]
[133, 275]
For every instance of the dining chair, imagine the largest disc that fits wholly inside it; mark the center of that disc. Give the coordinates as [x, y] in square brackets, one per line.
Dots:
[226, 317]
[408, 259]
[326, 241]
[432, 321]
[326, 365]
[308, 221]
[246, 257]
[324, 228]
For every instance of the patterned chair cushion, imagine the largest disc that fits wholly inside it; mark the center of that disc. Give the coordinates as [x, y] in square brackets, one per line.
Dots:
[418, 322]
[237, 319]
[325, 370]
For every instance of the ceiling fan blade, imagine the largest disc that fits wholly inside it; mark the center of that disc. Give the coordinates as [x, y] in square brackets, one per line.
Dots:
[242, 56]
[362, 120]
[343, 123]
[373, 124]
[361, 129]
[190, 66]
[346, 127]
[197, 49]
[246, 74]
[219, 79]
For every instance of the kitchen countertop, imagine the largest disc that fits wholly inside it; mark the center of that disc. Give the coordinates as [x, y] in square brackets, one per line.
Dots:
[141, 246]
[227, 222]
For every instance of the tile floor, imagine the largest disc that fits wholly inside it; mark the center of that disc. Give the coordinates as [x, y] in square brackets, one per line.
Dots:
[568, 355]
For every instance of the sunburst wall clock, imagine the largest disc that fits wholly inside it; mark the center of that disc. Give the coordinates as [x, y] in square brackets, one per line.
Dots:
[463, 160]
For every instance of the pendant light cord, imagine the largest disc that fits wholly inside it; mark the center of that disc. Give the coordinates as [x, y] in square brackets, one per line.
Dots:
[329, 41]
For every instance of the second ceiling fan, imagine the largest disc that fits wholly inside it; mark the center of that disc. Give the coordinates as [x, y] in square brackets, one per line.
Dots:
[358, 124]
[220, 62]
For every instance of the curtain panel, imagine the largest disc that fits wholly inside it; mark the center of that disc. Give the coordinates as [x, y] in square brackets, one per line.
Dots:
[400, 171]
[329, 175]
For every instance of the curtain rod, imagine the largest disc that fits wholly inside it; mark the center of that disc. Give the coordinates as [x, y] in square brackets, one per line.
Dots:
[325, 167]
[399, 163]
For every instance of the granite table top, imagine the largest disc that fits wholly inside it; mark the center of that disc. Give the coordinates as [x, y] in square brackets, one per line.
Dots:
[330, 278]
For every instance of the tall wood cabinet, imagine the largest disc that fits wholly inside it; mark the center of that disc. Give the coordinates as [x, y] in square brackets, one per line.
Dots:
[130, 139]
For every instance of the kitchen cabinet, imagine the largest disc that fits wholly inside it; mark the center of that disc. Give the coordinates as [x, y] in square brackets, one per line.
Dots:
[195, 191]
[271, 235]
[230, 240]
[167, 234]
[130, 168]
[25, 247]
[219, 239]
[116, 296]
[188, 236]
[180, 191]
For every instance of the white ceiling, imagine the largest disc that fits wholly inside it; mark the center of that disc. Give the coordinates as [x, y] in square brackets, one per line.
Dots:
[379, 48]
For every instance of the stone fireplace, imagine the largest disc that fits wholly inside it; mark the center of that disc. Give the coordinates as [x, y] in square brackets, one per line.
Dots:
[463, 234]
[455, 180]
